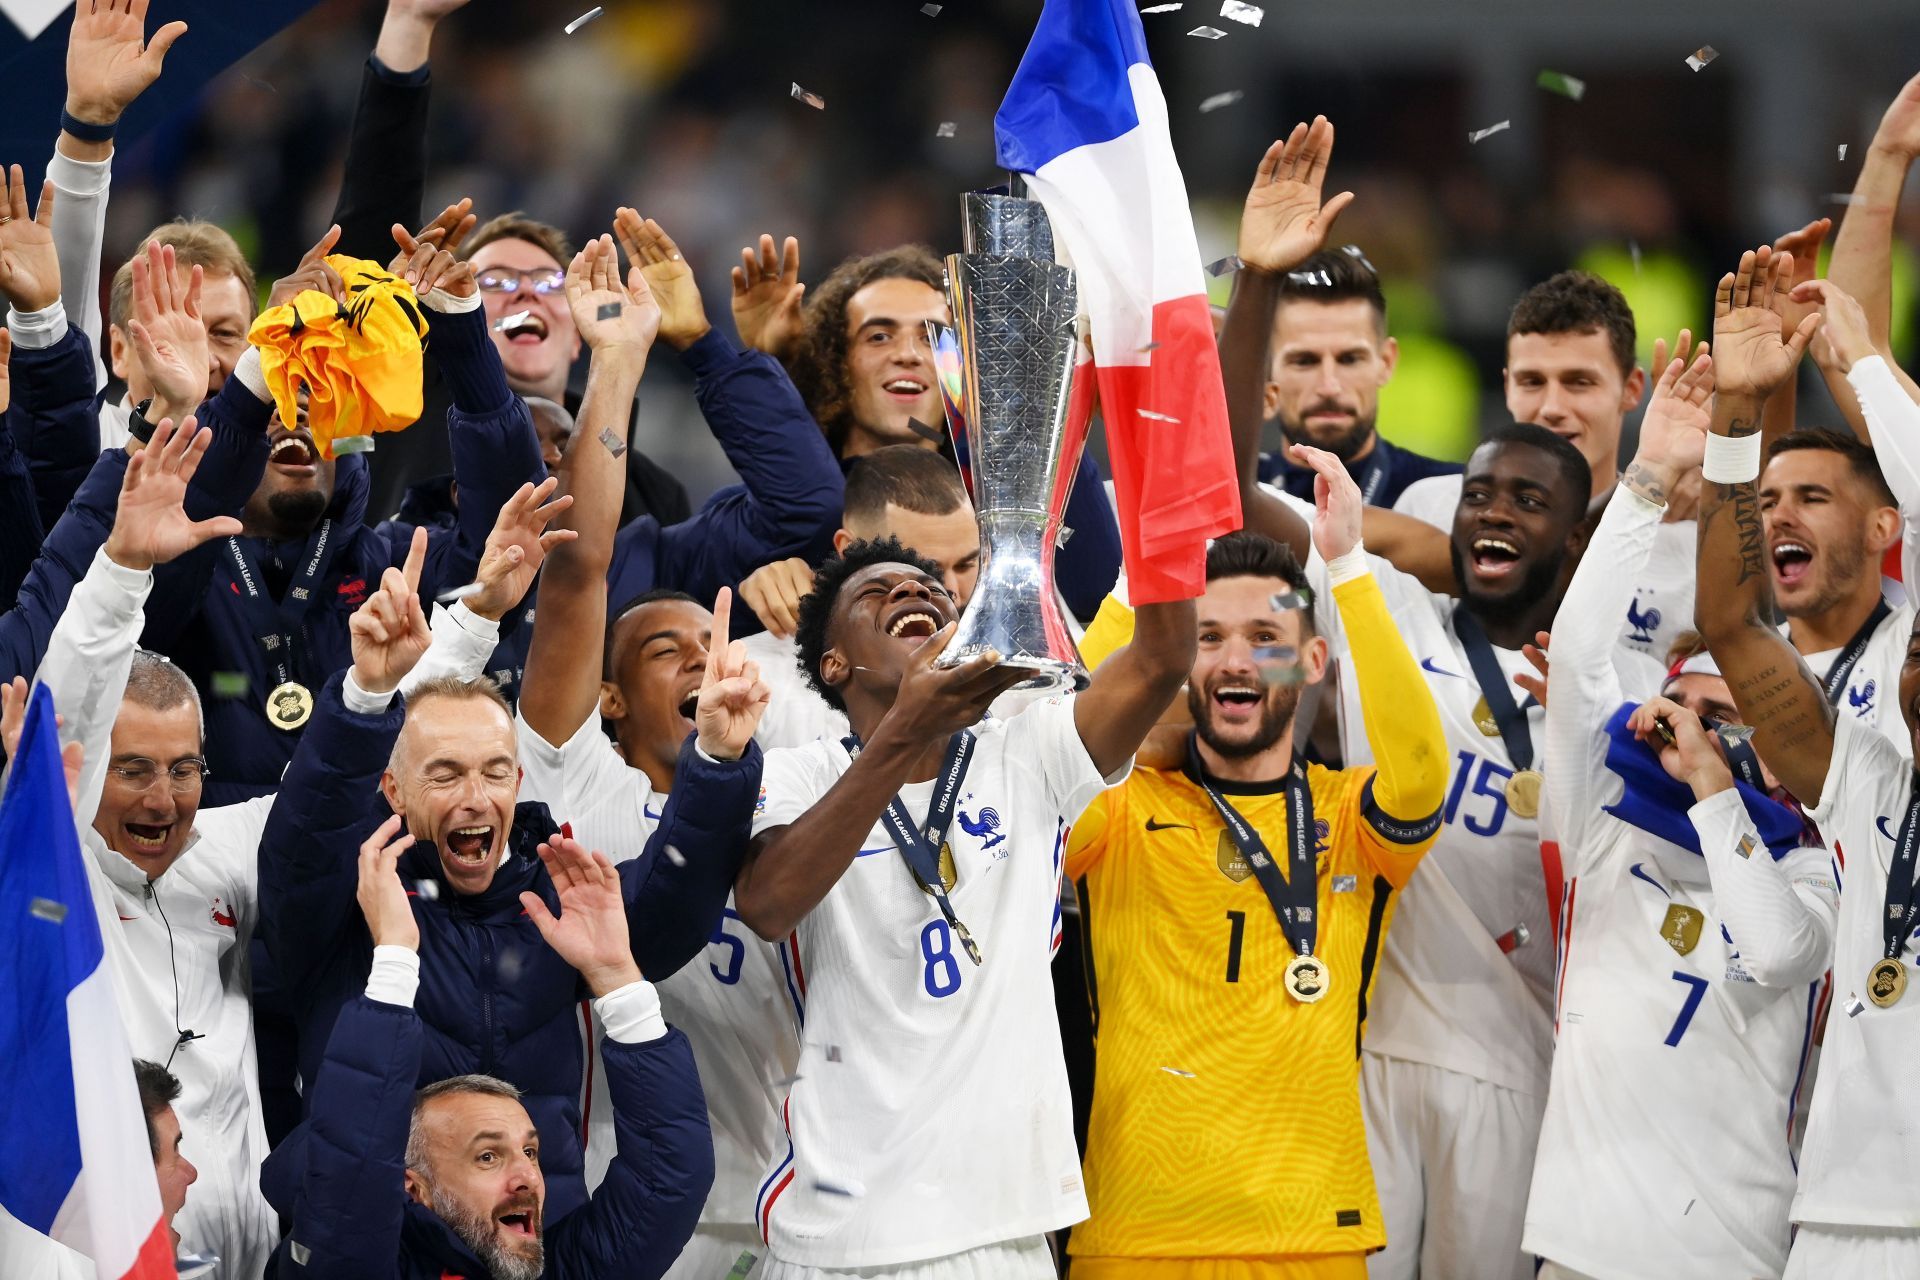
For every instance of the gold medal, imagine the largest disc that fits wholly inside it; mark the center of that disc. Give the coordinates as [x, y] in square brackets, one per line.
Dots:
[1886, 982]
[289, 706]
[1681, 928]
[949, 874]
[1306, 978]
[1483, 719]
[1523, 793]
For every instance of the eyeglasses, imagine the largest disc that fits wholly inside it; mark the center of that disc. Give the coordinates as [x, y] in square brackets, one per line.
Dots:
[544, 281]
[183, 775]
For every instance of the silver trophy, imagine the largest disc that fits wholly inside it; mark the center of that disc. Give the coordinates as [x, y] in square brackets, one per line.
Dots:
[1014, 311]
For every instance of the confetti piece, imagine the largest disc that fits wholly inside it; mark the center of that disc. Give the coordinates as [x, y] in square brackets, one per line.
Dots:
[1060, 538]
[428, 889]
[813, 100]
[931, 10]
[1238, 12]
[1843, 151]
[258, 83]
[514, 321]
[231, 684]
[510, 964]
[1702, 56]
[1160, 8]
[344, 445]
[1226, 266]
[743, 1265]
[1157, 417]
[1298, 598]
[610, 310]
[584, 19]
[1175, 1071]
[926, 432]
[299, 1252]
[1633, 247]
[945, 130]
[1208, 33]
[1854, 1007]
[1220, 100]
[1346, 884]
[1561, 83]
[833, 1053]
[851, 1189]
[460, 593]
[615, 445]
[674, 856]
[49, 910]
[1310, 279]
[1489, 131]
[1841, 197]
[1151, 346]
[1689, 1209]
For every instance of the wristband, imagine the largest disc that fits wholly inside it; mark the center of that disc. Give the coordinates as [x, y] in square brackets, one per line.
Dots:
[1731, 459]
[1345, 568]
[137, 425]
[86, 132]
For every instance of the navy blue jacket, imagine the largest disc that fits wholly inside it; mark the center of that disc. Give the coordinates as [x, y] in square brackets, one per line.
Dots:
[352, 1220]
[49, 437]
[495, 997]
[208, 630]
[1383, 475]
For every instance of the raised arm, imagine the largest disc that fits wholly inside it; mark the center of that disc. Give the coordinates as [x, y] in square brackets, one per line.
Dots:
[1733, 604]
[1862, 261]
[767, 294]
[566, 658]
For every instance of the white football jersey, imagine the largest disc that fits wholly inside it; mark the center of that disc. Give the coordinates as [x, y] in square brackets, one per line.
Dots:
[931, 1113]
[1662, 603]
[1861, 1161]
[1872, 694]
[738, 1001]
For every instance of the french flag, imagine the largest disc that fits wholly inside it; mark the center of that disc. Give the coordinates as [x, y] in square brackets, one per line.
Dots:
[75, 1164]
[1084, 120]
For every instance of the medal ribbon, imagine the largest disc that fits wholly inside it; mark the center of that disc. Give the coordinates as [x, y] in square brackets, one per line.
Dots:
[1292, 898]
[274, 624]
[919, 843]
[1373, 475]
[1850, 656]
[1902, 911]
[1507, 713]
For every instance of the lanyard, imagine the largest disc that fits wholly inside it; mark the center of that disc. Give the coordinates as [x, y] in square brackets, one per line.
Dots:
[274, 624]
[1374, 474]
[1898, 919]
[1293, 897]
[1494, 688]
[1849, 657]
[920, 843]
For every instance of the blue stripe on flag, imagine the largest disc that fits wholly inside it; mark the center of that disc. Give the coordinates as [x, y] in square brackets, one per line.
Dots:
[1071, 89]
[49, 944]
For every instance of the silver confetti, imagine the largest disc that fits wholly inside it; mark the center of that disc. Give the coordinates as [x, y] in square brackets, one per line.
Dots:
[299, 1252]
[609, 310]
[1346, 884]
[945, 130]
[514, 321]
[1060, 538]
[1633, 247]
[428, 889]
[510, 965]
[1157, 417]
[1160, 8]
[1175, 1071]
[1489, 131]
[1208, 33]
[1239, 12]
[931, 10]
[1702, 56]
[1220, 100]
[615, 445]
[1843, 151]
[49, 910]
[1226, 266]
[584, 19]
[1841, 197]
[1854, 1007]
[460, 593]
[813, 100]
[674, 856]
[1309, 279]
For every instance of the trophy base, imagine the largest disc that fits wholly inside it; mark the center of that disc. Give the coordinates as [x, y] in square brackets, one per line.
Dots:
[1050, 675]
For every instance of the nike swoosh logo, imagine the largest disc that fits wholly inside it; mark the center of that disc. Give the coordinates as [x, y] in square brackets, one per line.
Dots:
[885, 848]
[1638, 869]
[1167, 826]
[1880, 825]
[651, 815]
[1426, 664]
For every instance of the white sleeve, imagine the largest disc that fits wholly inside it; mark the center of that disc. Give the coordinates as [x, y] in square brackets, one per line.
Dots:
[1432, 500]
[1893, 421]
[1583, 684]
[792, 780]
[88, 658]
[462, 643]
[79, 231]
[581, 774]
[631, 1014]
[1046, 737]
[394, 977]
[1781, 914]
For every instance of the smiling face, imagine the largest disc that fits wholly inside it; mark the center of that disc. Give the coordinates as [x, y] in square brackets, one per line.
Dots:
[889, 368]
[539, 351]
[174, 1171]
[150, 825]
[1330, 360]
[880, 616]
[481, 1176]
[659, 660]
[1571, 384]
[951, 540]
[1825, 531]
[1514, 529]
[455, 778]
[297, 485]
[1250, 666]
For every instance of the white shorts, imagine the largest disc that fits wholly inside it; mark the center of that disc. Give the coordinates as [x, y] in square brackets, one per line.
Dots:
[1453, 1162]
[1028, 1259]
[1822, 1252]
[713, 1251]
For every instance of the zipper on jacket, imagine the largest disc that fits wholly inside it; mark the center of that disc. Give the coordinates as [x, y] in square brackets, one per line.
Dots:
[486, 997]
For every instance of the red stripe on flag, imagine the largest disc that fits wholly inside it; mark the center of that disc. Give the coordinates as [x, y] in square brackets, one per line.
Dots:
[155, 1259]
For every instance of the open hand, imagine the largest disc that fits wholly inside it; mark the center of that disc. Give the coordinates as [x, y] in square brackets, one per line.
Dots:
[1673, 432]
[683, 318]
[1536, 656]
[1751, 360]
[767, 296]
[1284, 223]
[732, 696]
[1845, 331]
[428, 261]
[1692, 756]
[1899, 130]
[312, 272]
[110, 62]
[383, 899]
[773, 592]
[29, 266]
[590, 933]
[13, 721]
[611, 316]
[517, 547]
[934, 702]
[150, 526]
[389, 633]
[1338, 506]
[1804, 245]
[169, 338]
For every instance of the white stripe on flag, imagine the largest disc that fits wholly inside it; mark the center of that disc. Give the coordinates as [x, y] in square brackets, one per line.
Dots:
[34, 16]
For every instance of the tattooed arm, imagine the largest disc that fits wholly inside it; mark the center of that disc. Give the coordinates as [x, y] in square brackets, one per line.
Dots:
[1733, 603]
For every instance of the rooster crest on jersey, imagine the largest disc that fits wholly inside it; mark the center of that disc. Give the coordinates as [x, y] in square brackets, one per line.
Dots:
[1860, 698]
[1643, 622]
[986, 825]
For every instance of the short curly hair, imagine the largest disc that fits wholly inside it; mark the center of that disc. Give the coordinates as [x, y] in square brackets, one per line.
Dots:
[816, 607]
[1578, 302]
[821, 370]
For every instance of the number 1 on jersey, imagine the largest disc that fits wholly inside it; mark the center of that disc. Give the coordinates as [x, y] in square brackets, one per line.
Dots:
[1237, 923]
